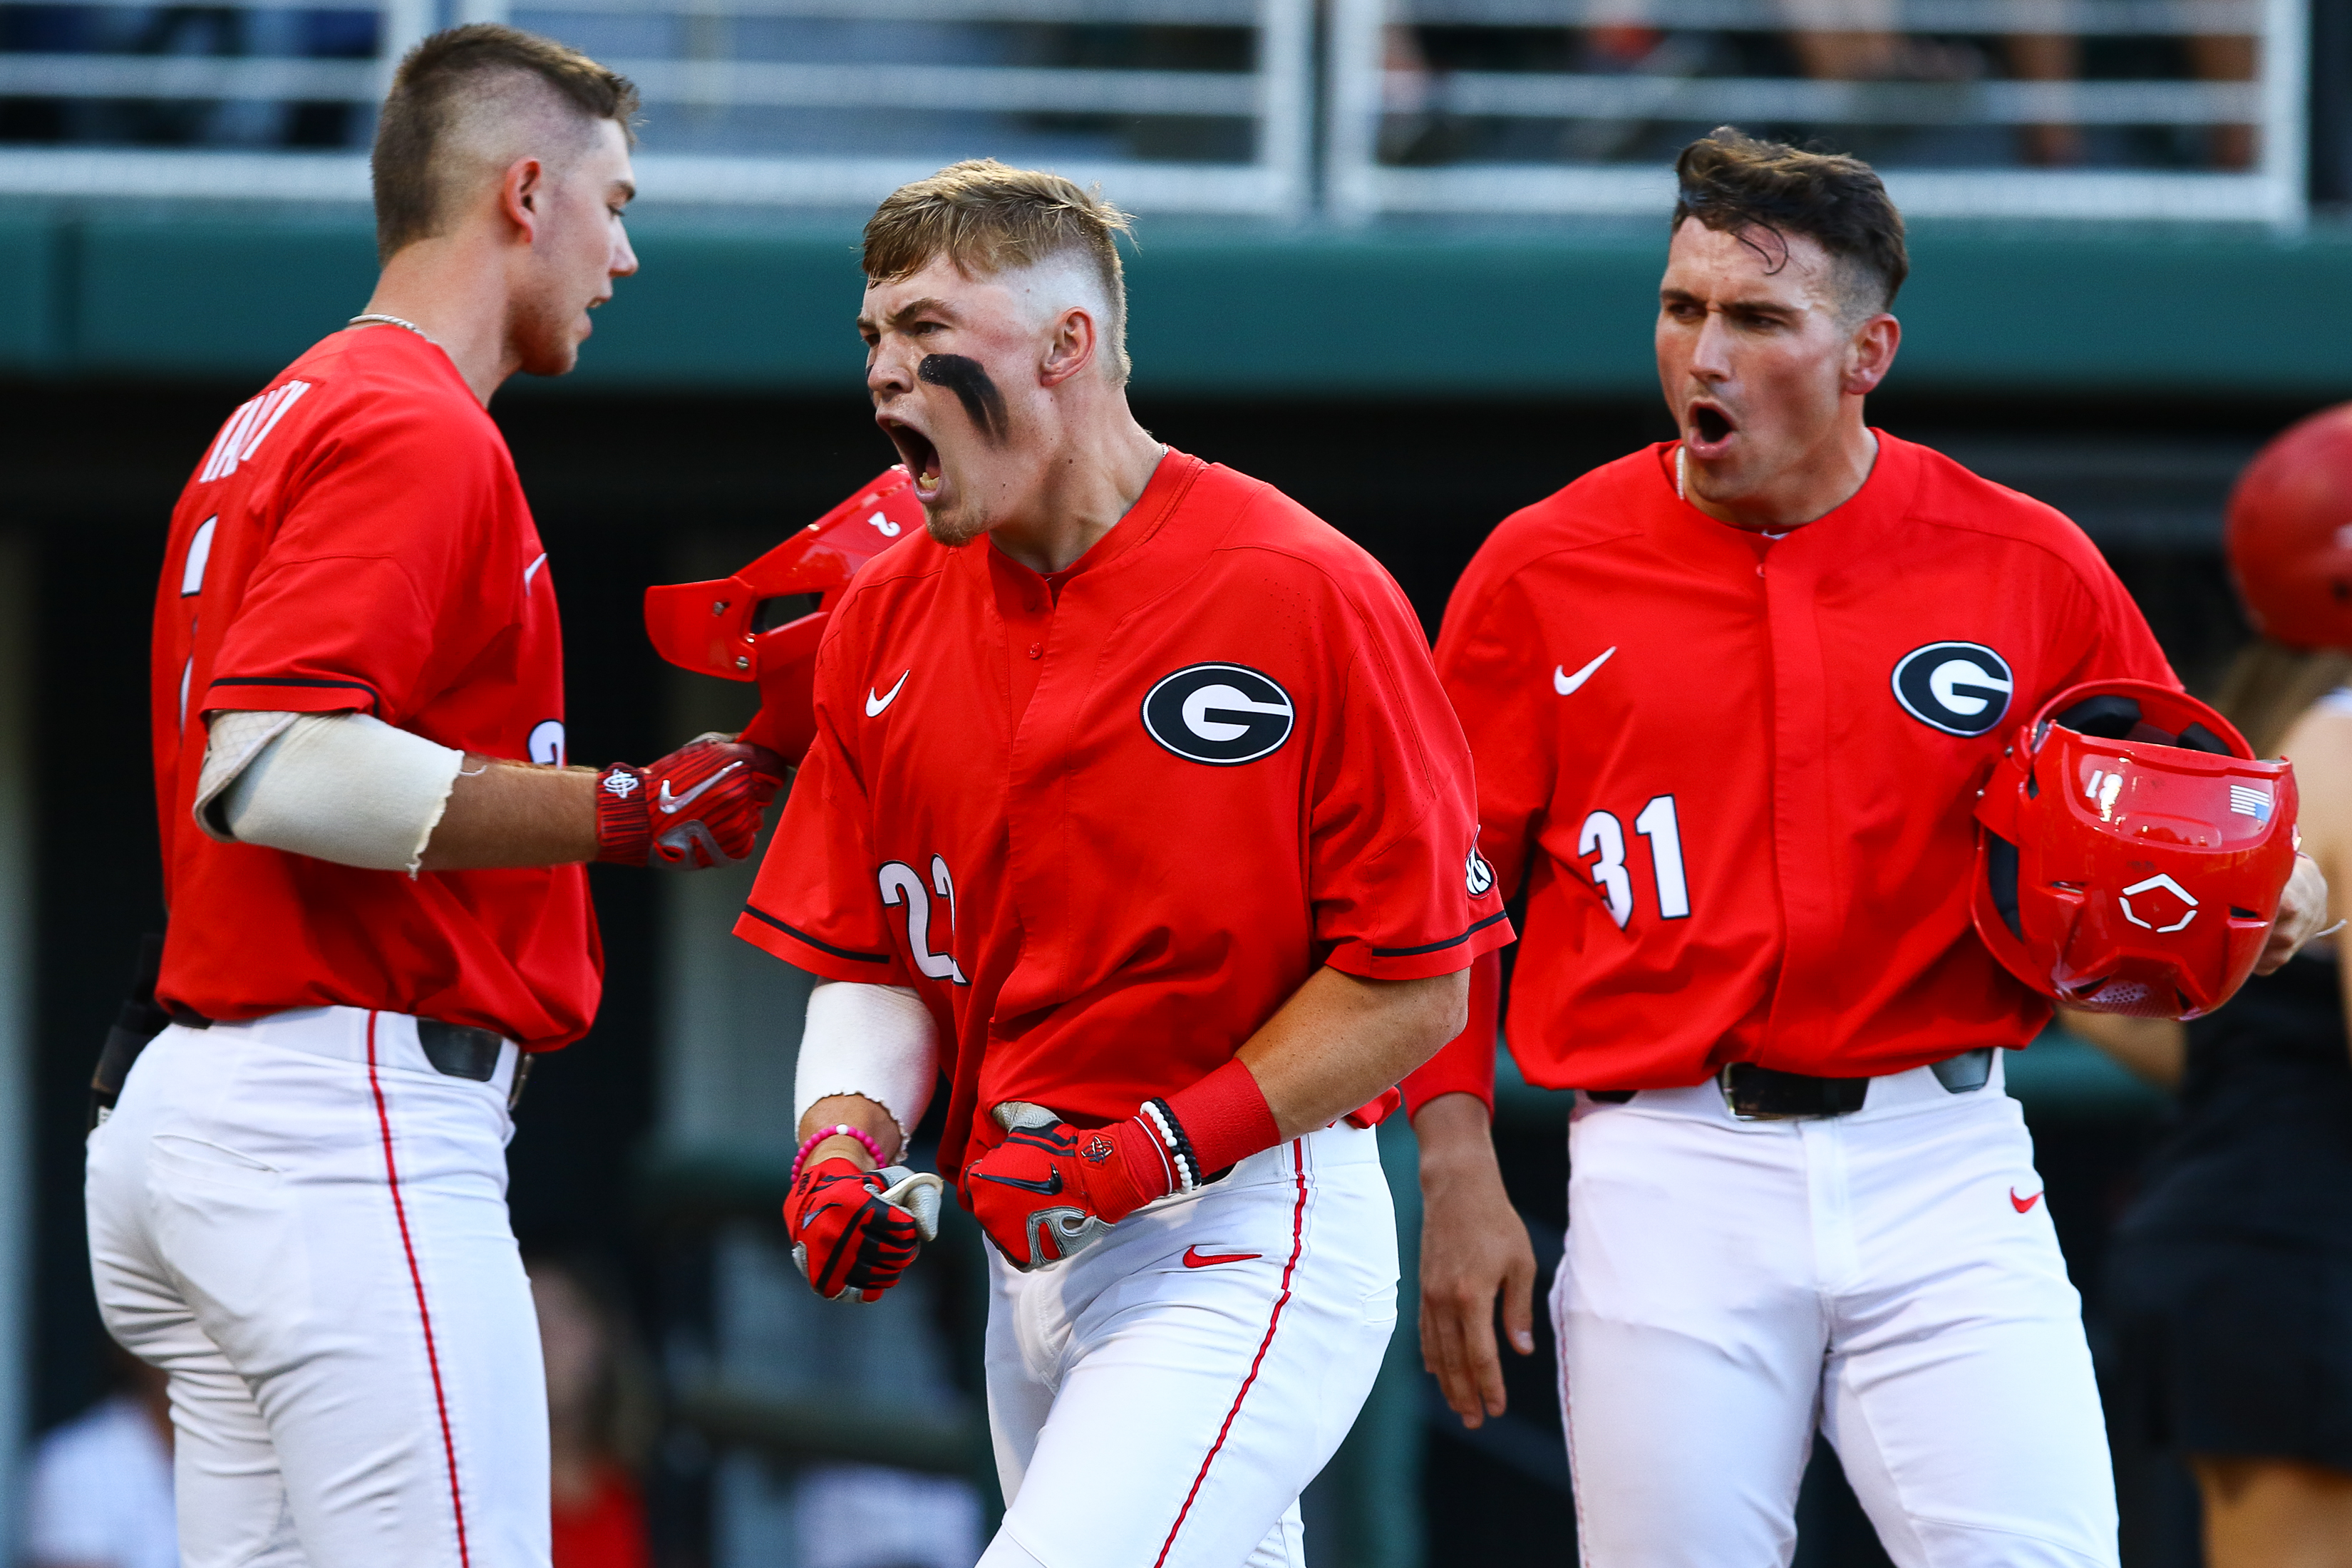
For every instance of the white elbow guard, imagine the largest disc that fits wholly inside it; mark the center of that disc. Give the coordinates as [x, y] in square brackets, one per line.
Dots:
[335, 787]
[874, 1041]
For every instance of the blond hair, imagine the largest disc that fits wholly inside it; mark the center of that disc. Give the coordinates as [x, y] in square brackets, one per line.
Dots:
[988, 217]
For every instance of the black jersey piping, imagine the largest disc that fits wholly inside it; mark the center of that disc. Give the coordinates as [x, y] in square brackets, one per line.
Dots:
[1439, 946]
[798, 935]
[373, 698]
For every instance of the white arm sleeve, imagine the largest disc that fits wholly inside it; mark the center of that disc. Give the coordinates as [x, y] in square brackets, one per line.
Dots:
[335, 787]
[876, 1041]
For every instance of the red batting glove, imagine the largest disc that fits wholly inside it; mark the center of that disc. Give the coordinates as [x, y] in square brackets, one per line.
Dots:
[700, 806]
[846, 1234]
[1050, 1190]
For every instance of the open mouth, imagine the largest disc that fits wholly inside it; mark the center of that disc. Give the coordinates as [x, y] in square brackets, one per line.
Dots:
[1710, 425]
[914, 450]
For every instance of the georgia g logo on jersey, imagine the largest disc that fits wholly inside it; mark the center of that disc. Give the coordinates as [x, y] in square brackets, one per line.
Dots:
[1220, 714]
[1960, 687]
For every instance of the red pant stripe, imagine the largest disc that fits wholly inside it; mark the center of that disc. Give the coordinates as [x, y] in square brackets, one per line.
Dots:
[1298, 1244]
[424, 1312]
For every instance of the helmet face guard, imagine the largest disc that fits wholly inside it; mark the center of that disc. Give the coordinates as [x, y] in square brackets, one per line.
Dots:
[764, 622]
[2131, 852]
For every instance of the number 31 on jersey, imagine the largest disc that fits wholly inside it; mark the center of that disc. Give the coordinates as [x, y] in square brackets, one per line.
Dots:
[1602, 841]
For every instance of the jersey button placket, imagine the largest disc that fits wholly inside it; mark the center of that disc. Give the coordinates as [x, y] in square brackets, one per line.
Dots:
[1040, 736]
[1804, 863]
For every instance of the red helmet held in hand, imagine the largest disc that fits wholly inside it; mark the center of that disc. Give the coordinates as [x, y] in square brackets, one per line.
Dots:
[759, 625]
[2289, 534]
[2131, 852]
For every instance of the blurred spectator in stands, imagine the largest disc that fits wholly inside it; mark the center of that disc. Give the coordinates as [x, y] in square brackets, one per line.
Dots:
[2219, 58]
[1845, 40]
[2058, 58]
[2229, 1282]
[2048, 56]
[1856, 40]
[100, 1494]
[599, 1416]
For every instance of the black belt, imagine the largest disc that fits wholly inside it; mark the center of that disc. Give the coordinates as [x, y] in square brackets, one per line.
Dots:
[1767, 1094]
[461, 1050]
[458, 1050]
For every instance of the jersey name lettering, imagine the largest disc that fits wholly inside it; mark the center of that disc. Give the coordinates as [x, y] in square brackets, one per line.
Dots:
[247, 428]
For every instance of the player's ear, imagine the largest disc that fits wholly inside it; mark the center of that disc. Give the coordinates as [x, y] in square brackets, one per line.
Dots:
[1069, 348]
[1871, 353]
[522, 193]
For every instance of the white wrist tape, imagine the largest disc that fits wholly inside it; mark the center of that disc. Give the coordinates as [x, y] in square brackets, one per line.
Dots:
[335, 787]
[874, 1041]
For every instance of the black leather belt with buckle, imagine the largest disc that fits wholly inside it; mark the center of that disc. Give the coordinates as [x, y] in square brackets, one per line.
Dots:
[1767, 1094]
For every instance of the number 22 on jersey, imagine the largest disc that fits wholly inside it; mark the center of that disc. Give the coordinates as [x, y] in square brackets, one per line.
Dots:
[901, 886]
[1602, 841]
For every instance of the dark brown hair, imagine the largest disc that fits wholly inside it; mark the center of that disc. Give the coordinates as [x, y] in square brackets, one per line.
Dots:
[988, 217]
[1734, 184]
[430, 88]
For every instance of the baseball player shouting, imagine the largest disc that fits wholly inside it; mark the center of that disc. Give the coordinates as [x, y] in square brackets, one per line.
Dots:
[1135, 807]
[371, 853]
[1731, 698]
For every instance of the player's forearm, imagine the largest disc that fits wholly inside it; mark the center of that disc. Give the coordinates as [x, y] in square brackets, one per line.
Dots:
[2156, 1050]
[1340, 1042]
[511, 814]
[1457, 1137]
[1473, 1249]
[851, 1111]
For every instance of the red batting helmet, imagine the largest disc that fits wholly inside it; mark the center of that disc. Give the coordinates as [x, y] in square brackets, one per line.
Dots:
[2131, 852]
[2289, 533]
[758, 625]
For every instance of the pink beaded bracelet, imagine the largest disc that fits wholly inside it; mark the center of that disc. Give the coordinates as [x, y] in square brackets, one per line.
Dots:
[838, 1130]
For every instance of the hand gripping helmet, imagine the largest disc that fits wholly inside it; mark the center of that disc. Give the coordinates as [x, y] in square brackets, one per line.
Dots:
[2131, 852]
[761, 625]
[2289, 533]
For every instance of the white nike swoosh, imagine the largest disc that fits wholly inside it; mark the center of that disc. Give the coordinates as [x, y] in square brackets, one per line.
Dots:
[1564, 683]
[672, 804]
[873, 705]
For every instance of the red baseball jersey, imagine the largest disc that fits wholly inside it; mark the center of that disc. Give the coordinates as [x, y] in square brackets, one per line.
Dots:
[355, 539]
[1105, 823]
[1735, 774]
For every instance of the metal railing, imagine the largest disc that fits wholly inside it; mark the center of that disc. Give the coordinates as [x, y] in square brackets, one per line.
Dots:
[2188, 109]
[1196, 105]
[1413, 128]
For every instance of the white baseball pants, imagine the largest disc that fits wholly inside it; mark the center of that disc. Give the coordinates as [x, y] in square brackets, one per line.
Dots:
[1891, 1276]
[1161, 1399]
[305, 1225]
